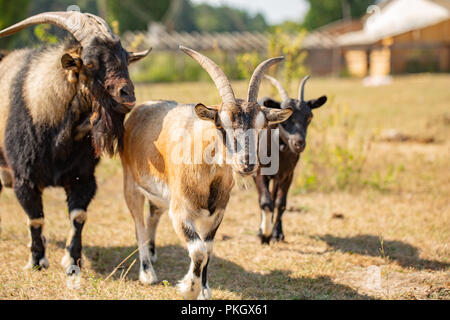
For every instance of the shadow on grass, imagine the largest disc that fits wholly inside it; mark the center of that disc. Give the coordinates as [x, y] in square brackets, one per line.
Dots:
[173, 263]
[405, 254]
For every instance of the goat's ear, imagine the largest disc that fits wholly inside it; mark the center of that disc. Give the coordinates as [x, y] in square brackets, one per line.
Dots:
[276, 116]
[72, 64]
[314, 104]
[205, 113]
[136, 56]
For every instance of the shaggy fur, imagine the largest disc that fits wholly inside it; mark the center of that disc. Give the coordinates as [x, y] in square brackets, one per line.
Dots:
[61, 109]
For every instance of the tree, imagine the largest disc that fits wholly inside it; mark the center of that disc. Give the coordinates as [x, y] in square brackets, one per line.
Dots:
[225, 19]
[323, 12]
[180, 16]
[11, 12]
[136, 14]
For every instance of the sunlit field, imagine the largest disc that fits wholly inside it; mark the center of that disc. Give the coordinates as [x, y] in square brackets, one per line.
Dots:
[368, 214]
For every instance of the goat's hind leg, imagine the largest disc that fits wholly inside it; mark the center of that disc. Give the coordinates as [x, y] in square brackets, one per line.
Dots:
[30, 198]
[267, 208]
[135, 202]
[153, 217]
[280, 204]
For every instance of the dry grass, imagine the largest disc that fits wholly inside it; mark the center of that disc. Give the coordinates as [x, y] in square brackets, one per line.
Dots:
[332, 237]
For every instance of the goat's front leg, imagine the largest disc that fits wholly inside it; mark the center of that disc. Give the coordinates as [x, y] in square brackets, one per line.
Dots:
[280, 205]
[191, 285]
[79, 195]
[266, 205]
[213, 222]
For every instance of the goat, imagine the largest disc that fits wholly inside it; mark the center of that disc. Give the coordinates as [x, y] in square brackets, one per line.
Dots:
[292, 143]
[61, 107]
[196, 193]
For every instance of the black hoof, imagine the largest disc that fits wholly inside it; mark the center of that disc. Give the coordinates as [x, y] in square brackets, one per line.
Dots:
[278, 237]
[264, 240]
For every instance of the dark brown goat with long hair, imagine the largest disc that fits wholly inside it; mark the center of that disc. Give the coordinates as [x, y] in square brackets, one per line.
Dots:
[61, 107]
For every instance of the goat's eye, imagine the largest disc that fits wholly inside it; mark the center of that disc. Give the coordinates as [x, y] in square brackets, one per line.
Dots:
[90, 66]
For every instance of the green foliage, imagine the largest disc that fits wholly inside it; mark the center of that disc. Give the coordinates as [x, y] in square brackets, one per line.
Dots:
[171, 67]
[181, 16]
[335, 158]
[225, 19]
[11, 12]
[247, 63]
[288, 27]
[42, 33]
[136, 14]
[289, 45]
[323, 12]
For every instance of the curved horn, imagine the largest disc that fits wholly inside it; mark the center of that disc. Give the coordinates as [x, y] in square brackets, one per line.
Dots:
[78, 24]
[283, 93]
[135, 56]
[301, 90]
[255, 82]
[220, 79]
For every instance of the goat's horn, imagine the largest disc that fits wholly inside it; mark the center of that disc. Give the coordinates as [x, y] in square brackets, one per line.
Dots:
[283, 93]
[255, 82]
[81, 26]
[220, 79]
[301, 90]
[138, 55]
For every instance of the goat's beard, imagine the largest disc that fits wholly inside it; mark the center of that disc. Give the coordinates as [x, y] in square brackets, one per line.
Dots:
[107, 123]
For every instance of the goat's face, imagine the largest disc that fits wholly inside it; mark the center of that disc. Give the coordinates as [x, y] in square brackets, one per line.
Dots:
[240, 125]
[293, 132]
[102, 67]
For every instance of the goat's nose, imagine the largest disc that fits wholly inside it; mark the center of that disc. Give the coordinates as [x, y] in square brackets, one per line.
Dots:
[299, 144]
[126, 94]
[249, 168]
[126, 91]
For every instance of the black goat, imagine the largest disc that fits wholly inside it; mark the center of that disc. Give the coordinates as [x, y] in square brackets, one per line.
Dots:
[292, 144]
[61, 107]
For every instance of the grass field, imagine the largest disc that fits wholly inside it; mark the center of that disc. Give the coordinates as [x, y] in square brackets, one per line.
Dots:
[386, 214]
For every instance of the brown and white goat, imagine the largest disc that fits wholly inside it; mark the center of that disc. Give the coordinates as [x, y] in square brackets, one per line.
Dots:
[196, 191]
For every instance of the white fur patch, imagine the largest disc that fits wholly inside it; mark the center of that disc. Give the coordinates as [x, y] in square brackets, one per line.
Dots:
[43, 263]
[79, 216]
[148, 277]
[156, 191]
[260, 121]
[67, 261]
[205, 293]
[225, 120]
[266, 222]
[196, 247]
[189, 287]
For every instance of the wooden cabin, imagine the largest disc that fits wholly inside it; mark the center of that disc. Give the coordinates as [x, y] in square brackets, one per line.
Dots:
[401, 36]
